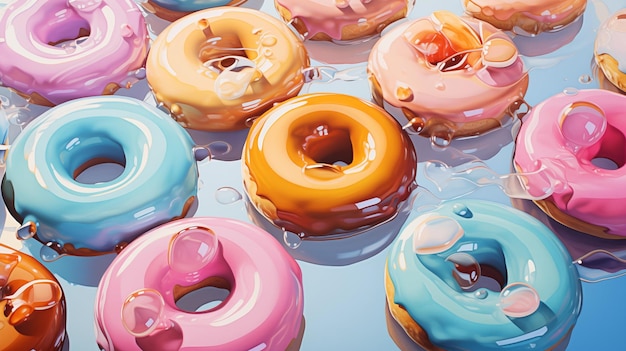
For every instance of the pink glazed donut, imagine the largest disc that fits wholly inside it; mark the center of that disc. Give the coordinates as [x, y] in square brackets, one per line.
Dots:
[574, 144]
[110, 45]
[136, 298]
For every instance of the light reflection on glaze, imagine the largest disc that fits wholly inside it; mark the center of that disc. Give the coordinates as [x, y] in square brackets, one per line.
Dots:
[116, 46]
[343, 19]
[527, 16]
[610, 53]
[319, 164]
[159, 177]
[265, 304]
[511, 242]
[16, 271]
[188, 58]
[456, 75]
[590, 193]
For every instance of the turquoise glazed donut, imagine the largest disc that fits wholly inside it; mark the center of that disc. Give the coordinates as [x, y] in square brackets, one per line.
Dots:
[158, 182]
[476, 275]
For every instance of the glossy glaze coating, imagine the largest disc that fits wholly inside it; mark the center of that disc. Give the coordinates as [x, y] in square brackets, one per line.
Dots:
[172, 10]
[456, 76]
[610, 53]
[585, 192]
[432, 281]
[262, 312]
[216, 68]
[158, 183]
[115, 46]
[527, 17]
[342, 19]
[33, 317]
[324, 164]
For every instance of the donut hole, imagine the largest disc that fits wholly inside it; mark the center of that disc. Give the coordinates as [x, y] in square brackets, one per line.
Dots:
[93, 160]
[611, 153]
[219, 52]
[69, 31]
[329, 146]
[205, 296]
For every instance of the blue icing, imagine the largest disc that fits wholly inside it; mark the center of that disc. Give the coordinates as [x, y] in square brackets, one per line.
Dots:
[159, 176]
[516, 245]
[190, 5]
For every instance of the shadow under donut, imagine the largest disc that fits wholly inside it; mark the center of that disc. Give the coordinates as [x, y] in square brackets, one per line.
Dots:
[547, 42]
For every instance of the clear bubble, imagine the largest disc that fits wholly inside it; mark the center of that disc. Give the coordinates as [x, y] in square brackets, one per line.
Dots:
[292, 240]
[585, 79]
[227, 195]
[192, 249]
[519, 300]
[441, 141]
[435, 234]
[142, 312]
[4, 101]
[49, 254]
[462, 210]
[570, 91]
[27, 230]
[466, 270]
[582, 125]
[140, 73]
[219, 148]
[481, 294]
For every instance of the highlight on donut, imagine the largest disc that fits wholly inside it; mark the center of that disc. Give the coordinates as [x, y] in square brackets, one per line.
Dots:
[171, 10]
[527, 17]
[477, 275]
[32, 302]
[217, 69]
[450, 76]
[143, 299]
[580, 150]
[154, 179]
[319, 165]
[341, 20]
[609, 54]
[55, 51]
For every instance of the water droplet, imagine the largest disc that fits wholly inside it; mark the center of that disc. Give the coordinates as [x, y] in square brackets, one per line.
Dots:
[481, 294]
[440, 85]
[85, 5]
[218, 148]
[570, 91]
[404, 92]
[142, 312]
[585, 79]
[439, 141]
[466, 270]
[192, 249]
[582, 125]
[27, 230]
[4, 101]
[519, 300]
[120, 246]
[249, 121]
[292, 240]
[140, 73]
[267, 52]
[201, 153]
[176, 109]
[462, 210]
[269, 40]
[227, 195]
[415, 125]
[342, 4]
[435, 234]
[48, 254]
[126, 30]
[203, 23]
[69, 48]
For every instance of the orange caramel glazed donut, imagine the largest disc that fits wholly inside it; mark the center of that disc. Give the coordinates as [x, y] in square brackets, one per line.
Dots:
[325, 164]
[32, 305]
[217, 68]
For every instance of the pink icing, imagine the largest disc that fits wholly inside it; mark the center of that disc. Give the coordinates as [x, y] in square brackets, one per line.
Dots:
[463, 95]
[547, 139]
[330, 16]
[116, 45]
[262, 312]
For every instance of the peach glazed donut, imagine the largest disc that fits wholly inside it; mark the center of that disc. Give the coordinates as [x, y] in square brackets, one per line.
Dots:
[324, 164]
[216, 69]
[110, 45]
[450, 76]
[560, 147]
[341, 19]
[478, 275]
[171, 10]
[528, 17]
[32, 302]
[136, 301]
[610, 54]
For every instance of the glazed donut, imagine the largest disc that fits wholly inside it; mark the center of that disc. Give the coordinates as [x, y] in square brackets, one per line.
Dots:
[321, 164]
[609, 52]
[437, 266]
[171, 10]
[136, 299]
[158, 182]
[32, 302]
[216, 69]
[341, 19]
[562, 137]
[450, 76]
[528, 17]
[111, 44]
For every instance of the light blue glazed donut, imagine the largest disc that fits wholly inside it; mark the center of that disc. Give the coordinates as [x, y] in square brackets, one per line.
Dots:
[190, 5]
[531, 302]
[158, 182]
